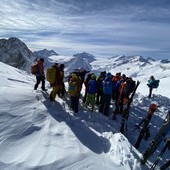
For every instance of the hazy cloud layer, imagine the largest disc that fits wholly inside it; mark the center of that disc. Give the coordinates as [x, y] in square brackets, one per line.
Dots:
[100, 27]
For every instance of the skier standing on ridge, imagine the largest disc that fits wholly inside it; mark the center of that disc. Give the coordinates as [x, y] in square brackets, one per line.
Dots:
[57, 83]
[40, 75]
[152, 83]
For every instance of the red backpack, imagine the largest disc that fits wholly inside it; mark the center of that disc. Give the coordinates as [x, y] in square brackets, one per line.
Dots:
[34, 69]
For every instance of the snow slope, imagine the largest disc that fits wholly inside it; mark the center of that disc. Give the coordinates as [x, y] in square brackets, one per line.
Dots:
[38, 134]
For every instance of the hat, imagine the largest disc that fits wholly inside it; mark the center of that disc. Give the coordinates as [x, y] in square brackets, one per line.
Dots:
[93, 76]
[41, 59]
[62, 65]
[56, 64]
[73, 75]
[109, 75]
[123, 76]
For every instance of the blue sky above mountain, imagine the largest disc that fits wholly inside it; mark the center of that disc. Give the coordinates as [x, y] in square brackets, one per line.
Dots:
[100, 27]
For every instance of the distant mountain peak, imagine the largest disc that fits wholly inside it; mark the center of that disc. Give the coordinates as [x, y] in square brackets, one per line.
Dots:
[134, 58]
[90, 58]
[165, 61]
[15, 53]
[44, 53]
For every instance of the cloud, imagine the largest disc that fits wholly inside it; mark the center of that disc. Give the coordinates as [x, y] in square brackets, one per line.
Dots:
[100, 26]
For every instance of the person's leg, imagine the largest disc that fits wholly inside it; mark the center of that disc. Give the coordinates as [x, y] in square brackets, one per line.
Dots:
[76, 104]
[93, 102]
[84, 98]
[43, 83]
[54, 92]
[150, 92]
[38, 79]
[97, 97]
[107, 105]
[87, 100]
[72, 102]
[102, 104]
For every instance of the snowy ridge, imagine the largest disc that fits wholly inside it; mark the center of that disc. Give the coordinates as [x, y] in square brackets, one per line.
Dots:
[38, 134]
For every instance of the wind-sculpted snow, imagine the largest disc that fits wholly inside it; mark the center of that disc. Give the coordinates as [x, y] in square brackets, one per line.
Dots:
[36, 133]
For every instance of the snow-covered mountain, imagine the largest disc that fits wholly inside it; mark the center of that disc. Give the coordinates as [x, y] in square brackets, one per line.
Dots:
[15, 53]
[89, 57]
[137, 67]
[38, 134]
[44, 53]
[165, 61]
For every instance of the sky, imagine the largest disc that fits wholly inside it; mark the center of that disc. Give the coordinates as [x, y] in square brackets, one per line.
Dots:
[36, 133]
[100, 27]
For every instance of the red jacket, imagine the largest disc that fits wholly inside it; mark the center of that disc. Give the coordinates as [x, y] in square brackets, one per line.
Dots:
[40, 68]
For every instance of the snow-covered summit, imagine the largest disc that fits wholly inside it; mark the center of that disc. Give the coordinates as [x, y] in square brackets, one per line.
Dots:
[165, 61]
[89, 57]
[38, 134]
[44, 53]
[15, 53]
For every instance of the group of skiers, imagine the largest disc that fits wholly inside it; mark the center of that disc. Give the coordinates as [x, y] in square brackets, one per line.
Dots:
[99, 91]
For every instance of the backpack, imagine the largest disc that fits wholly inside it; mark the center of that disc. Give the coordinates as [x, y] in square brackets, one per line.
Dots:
[92, 87]
[72, 88]
[51, 75]
[156, 84]
[132, 86]
[124, 89]
[34, 69]
[107, 87]
[153, 83]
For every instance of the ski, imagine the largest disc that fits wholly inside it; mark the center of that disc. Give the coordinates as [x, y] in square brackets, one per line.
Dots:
[145, 123]
[164, 129]
[167, 145]
[126, 110]
[165, 166]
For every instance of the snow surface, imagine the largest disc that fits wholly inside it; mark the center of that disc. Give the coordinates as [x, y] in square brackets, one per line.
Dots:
[38, 134]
